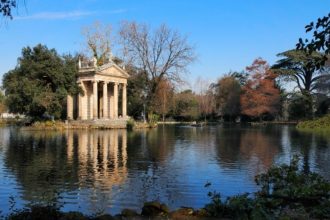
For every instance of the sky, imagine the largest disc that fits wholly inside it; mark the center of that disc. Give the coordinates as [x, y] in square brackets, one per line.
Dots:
[227, 34]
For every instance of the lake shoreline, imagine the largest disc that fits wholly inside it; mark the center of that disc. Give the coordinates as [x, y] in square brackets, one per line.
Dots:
[150, 210]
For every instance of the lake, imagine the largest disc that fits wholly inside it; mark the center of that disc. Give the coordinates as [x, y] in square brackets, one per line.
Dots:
[94, 171]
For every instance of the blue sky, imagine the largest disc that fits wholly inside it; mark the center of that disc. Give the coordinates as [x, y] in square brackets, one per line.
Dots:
[228, 34]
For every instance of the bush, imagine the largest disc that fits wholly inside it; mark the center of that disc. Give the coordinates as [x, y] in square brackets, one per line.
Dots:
[321, 123]
[130, 124]
[286, 193]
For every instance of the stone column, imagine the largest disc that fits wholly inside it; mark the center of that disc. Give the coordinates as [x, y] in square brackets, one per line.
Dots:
[110, 94]
[95, 100]
[80, 104]
[115, 96]
[69, 107]
[105, 99]
[124, 101]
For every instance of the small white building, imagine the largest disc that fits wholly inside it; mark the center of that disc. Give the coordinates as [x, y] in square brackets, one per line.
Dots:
[104, 88]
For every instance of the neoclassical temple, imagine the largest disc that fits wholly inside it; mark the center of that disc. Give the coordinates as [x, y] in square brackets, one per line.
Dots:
[104, 92]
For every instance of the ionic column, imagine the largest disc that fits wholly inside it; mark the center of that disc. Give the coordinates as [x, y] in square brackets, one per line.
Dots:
[95, 102]
[115, 104]
[69, 107]
[111, 101]
[80, 104]
[124, 101]
[105, 99]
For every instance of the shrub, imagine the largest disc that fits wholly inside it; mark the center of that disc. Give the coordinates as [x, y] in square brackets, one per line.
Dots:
[321, 123]
[286, 192]
[130, 124]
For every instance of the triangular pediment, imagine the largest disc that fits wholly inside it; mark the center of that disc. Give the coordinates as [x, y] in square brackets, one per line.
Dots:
[112, 69]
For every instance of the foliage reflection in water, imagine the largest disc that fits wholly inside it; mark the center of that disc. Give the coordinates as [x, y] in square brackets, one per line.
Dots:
[108, 170]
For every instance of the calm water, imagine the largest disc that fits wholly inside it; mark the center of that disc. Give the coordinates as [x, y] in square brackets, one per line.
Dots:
[93, 171]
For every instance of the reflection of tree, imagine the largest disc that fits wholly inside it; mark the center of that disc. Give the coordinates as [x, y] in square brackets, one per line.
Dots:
[314, 148]
[48, 164]
[261, 145]
[161, 158]
[227, 143]
[255, 148]
[34, 161]
[302, 142]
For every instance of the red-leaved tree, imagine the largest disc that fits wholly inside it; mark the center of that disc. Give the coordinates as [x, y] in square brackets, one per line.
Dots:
[260, 96]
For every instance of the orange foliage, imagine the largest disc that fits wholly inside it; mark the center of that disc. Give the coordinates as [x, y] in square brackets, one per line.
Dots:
[260, 95]
[163, 97]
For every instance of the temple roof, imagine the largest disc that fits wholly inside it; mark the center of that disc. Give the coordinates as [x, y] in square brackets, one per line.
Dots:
[108, 69]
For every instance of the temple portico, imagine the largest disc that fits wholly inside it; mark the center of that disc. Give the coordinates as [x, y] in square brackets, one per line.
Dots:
[103, 93]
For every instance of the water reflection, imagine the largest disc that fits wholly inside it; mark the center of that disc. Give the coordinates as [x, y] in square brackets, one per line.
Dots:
[65, 168]
[246, 146]
[109, 170]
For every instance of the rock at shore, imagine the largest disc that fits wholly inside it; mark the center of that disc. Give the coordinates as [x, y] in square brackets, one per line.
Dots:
[154, 209]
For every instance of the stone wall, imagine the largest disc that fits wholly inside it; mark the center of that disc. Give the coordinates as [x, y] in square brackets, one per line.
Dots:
[102, 124]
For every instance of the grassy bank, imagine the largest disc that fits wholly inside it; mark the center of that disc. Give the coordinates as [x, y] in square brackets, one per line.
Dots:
[316, 124]
[46, 125]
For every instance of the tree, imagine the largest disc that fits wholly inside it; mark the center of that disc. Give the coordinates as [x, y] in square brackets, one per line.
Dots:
[2, 103]
[228, 93]
[163, 98]
[185, 105]
[321, 36]
[6, 7]
[300, 106]
[135, 92]
[39, 84]
[205, 97]
[301, 67]
[98, 42]
[161, 53]
[240, 77]
[260, 96]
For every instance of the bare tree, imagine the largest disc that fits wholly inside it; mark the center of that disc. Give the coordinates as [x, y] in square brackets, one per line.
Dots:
[158, 53]
[205, 97]
[98, 40]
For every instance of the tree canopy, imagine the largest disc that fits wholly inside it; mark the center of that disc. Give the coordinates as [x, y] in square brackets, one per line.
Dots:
[2, 103]
[321, 36]
[160, 53]
[163, 98]
[228, 92]
[302, 68]
[260, 96]
[40, 82]
[98, 40]
[6, 7]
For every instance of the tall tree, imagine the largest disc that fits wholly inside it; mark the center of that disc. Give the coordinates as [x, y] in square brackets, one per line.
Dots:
[161, 53]
[2, 103]
[40, 82]
[185, 105]
[260, 96]
[228, 93]
[136, 98]
[205, 97]
[163, 98]
[302, 68]
[98, 41]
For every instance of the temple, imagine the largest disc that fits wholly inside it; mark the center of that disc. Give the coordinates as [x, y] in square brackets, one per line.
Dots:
[104, 94]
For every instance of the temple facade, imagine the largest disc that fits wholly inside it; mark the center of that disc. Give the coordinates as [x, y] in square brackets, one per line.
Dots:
[104, 93]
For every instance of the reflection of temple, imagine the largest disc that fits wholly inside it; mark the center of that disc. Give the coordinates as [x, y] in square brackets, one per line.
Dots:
[102, 156]
[104, 87]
